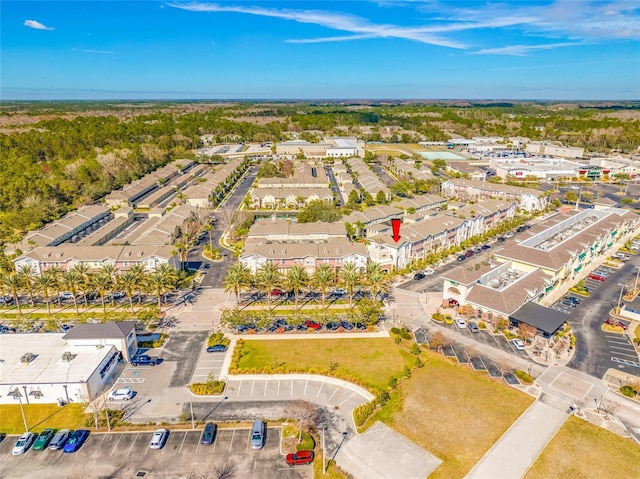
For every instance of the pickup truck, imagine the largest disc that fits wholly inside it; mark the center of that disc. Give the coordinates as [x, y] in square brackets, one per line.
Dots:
[145, 360]
[300, 458]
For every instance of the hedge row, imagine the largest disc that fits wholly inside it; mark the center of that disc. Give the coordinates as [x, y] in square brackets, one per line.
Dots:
[207, 389]
[153, 344]
[218, 338]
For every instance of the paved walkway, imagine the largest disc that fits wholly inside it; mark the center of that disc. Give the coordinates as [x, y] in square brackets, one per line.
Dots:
[518, 448]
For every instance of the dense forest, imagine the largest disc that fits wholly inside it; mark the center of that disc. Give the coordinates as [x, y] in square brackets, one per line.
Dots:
[57, 156]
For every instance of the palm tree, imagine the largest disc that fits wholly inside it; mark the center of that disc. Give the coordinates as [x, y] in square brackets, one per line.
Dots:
[73, 281]
[14, 284]
[375, 277]
[209, 228]
[128, 281]
[83, 270]
[102, 283]
[268, 277]
[56, 273]
[181, 250]
[111, 272]
[296, 279]
[27, 274]
[238, 279]
[158, 283]
[140, 273]
[45, 283]
[350, 277]
[323, 277]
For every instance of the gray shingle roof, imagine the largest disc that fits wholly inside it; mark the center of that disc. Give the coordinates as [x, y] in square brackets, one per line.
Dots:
[119, 329]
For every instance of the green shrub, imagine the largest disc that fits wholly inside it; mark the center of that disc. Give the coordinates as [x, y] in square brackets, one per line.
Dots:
[439, 317]
[218, 338]
[307, 443]
[209, 388]
[363, 412]
[524, 377]
[415, 349]
[153, 344]
[482, 325]
[628, 391]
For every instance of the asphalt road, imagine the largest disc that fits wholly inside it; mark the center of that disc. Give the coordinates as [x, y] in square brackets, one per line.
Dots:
[334, 186]
[125, 455]
[216, 271]
[597, 351]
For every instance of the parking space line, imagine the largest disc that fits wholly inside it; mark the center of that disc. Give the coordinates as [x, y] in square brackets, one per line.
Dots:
[352, 394]
[278, 388]
[291, 388]
[265, 388]
[231, 442]
[183, 439]
[213, 451]
[304, 394]
[321, 384]
[253, 383]
[334, 393]
[621, 353]
[239, 387]
[116, 445]
[104, 436]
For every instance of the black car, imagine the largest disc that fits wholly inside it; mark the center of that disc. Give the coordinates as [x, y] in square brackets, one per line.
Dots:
[209, 433]
[419, 276]
[347, 326]
[461, 257]
[485, 247]
[332, 326]
[145, 360]
[360, 326]
[501, 239]
[216, 348]
[573, 299]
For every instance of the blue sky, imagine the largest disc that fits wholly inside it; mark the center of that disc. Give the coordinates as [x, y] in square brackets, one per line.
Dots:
[562, 49]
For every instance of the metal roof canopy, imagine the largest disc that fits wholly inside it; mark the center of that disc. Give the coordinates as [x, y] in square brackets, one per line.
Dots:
[546, 320]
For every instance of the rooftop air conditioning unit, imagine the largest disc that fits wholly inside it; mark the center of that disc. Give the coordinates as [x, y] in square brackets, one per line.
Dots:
[67, 356]
[128, 253]
[139, 253]
[27, 358]
[58, 255]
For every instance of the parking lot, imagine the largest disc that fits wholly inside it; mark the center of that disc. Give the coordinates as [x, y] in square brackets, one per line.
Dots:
[479, 362]
[128, 455]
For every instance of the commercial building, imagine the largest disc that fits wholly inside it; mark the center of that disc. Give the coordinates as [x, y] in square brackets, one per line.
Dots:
[332, 147]
[545, 148]
[45, 368]
[545, 168]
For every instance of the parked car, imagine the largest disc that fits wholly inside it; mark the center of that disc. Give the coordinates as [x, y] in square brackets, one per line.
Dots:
[469, 253]
[43, 439]
[23, 443]
[501, 239]
[257, 434]
[209, 433]
[66, 296]
[573, 299]
[118, 294]
[485, 247]
[59, 439]
[300, 458]
[331, 326]
[473, 327]
[159, 439]
[144, 360]
[518, 344]
[65, 328]
[429, 272]
[346, 325]
[360, 326]
[419, 276]
[75, 441]
[312, 325]
[574, 187]
[597, 277]
[339, 291]
[569, 303]
[508, 235]
[461, 323]
[461, 257]
[275, 292]
[216, 348]
[123, 394]
[616, 322]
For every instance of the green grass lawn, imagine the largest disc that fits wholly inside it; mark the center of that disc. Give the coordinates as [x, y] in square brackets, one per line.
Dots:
[582, 450]
[453, 412]
[370, 362]
[40, 416]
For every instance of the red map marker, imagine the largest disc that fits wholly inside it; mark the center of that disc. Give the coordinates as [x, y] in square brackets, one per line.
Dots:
[395, 224]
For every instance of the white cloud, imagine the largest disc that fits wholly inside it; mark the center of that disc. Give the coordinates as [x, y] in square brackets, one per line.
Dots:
[523, 50]
[37, 25]
[88, 50]
[359, 26]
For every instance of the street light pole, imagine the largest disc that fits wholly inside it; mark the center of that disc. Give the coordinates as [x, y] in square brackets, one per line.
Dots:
[193, 424]
[619, 298]
[24, 418]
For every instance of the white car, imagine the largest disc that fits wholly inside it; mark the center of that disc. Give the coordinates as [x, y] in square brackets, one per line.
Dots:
[339, 291]
[518, 344]
[509, 235]
[159, 439]
[461, 323]
[24, 443]
[66, 296]
[123, 394]
[574, 187]
[428, 272]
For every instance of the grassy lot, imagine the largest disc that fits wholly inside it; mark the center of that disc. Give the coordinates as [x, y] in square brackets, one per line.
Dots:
[583, 450]
[370, 362]
[40, 416]
[453, 412]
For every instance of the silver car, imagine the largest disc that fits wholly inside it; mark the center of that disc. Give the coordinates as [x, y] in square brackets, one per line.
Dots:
[159, 439]
[59, 439]
[257, 434]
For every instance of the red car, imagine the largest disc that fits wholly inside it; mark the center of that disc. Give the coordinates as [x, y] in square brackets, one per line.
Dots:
[597, 277]
[275, 292]
[300, 458]
[312, 324]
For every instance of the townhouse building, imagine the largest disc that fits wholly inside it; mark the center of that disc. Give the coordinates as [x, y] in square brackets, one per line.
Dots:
[528, 199]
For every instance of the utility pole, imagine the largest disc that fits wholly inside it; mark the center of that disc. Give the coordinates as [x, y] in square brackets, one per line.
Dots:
[24, 418]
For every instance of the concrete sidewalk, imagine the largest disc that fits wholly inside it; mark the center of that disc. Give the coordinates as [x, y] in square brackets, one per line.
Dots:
[518, 448]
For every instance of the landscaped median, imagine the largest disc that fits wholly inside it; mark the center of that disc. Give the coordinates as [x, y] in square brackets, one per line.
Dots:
[41, 416]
